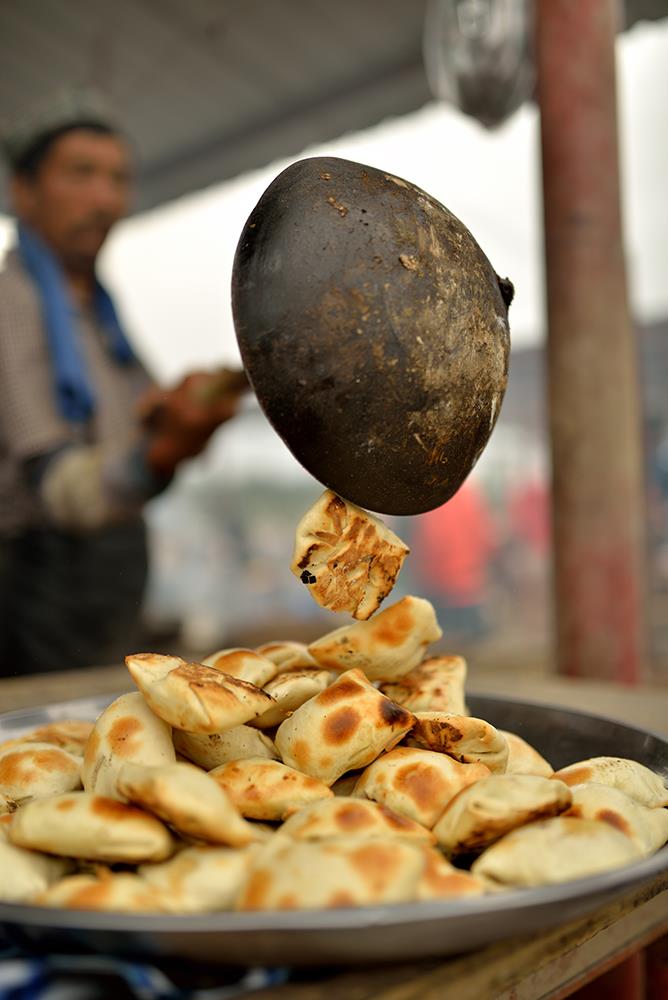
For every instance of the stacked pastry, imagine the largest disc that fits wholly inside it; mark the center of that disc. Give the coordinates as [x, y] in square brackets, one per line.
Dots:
[344, 773]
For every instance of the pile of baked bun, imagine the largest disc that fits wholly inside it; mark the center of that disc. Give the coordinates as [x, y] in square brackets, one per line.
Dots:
[343, 773]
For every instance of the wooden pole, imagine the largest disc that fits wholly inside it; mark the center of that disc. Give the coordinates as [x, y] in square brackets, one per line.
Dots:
[595, 429]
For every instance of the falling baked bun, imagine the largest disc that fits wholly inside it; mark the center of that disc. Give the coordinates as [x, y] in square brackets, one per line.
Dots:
[435, 685]
[348, 559]
[193, 697]
[385, 648]
[463, 737]
[341, 729]
[636, 780]
[555, 850]
[127, 730]
[484, 812]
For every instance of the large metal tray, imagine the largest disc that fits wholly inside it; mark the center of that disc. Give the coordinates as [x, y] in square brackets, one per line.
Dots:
[370, 934]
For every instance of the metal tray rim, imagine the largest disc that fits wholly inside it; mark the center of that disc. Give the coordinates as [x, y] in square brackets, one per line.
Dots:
[585, 893]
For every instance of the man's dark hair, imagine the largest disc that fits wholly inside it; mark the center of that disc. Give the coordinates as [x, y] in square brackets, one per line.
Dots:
[32, 158]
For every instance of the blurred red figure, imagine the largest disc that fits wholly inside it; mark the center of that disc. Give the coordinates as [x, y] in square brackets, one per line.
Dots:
[452, 547]
[529, 516]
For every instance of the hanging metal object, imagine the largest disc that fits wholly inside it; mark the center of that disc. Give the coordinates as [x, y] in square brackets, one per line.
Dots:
[478, 55]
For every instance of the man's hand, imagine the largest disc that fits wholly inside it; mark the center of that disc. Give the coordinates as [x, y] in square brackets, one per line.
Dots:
[180, 421]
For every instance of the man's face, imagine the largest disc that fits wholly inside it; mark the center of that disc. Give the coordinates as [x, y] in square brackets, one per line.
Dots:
[81, 188]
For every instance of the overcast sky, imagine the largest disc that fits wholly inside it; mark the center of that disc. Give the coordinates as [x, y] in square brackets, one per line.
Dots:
[170, 268]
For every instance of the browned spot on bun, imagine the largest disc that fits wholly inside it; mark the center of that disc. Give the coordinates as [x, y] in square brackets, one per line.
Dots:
[301, 752]
[13, 770]
[309, 782]
[113, 810]
[88, 897]
[351, 816]
[92, 749]
[447, 732]
[199, 675]
[53, 760]
[614, 819]
[123, 736]
[340, 725]
[376, 862]
[396, 626]
[574, 811]
[395, 820]
[392, 714]
[574, 776]
[287, 902]
[341, 898]
[257, 889]
[63, 734]
[66, 805]
[422, 783]
[339, 691]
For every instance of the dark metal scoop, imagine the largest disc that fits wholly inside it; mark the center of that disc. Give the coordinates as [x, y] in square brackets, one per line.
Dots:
[374, 332]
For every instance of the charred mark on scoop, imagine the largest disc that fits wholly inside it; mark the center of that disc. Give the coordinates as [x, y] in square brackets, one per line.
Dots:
[307, 577]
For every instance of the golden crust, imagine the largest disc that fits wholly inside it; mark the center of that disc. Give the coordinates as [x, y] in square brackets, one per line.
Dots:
[348, 559]
[417, 783]
[32, 770]
[484, 812]
[290, 690]
[634, 779]
[385, 648]
[189, 800]
[435, 685]
[194, 697]
[554, 850]
[80, 825]
[247, 664]
[268, 789]
[463, 737]
[525, 759]
[341, 729]
[209, 750]
[127, 730]
[647, 827]
[330, 819]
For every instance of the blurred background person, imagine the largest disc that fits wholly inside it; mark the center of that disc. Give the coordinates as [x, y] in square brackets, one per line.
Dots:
[85, 439]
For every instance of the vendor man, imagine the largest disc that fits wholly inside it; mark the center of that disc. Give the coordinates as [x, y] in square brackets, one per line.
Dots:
[77, 461]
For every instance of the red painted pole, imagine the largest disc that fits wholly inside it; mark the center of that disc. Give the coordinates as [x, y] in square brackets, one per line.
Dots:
[595, 429]
[625, 981]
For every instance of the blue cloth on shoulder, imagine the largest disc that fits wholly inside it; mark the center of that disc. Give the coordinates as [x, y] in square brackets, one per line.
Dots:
[76, 396]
